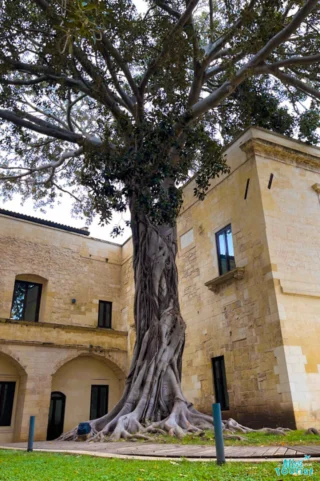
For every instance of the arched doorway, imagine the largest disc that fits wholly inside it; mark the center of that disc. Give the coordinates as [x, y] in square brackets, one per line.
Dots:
[56, 415]
[91, 387]
[12, 385]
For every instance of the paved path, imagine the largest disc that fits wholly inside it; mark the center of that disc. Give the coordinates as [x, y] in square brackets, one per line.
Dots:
[172, 450]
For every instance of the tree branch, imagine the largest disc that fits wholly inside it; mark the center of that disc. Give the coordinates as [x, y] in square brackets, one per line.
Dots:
[167, 9]
[67, 192]
[167, 43]
[126, 99]
[46, 114]
[23, 82]
[69, 109]
[212, 71]
[216, 46]
[41, 127]
[214, 52]
[284, 34]
[106, 95]
[51, 166]
[50, 75]
[290, 80]
[248, 69]
[122, 64]
[306, 60]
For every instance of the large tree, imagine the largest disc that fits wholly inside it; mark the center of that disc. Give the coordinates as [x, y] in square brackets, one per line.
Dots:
[118, 107]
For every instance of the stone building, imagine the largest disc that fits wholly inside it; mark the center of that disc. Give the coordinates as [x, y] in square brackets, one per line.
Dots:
[249, 267]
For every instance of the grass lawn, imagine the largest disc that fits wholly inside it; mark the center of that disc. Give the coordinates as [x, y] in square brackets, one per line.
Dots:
[292, 438]
[22, 466]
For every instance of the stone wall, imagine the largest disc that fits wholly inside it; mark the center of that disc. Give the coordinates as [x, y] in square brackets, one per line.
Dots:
[239, 320]
[34, 369]
[69, 266]
[292, 212]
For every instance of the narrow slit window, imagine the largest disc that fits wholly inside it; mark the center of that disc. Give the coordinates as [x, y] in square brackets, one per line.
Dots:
[270, 181]
[99, 400]
[220, 382]
[247, 189]
[225, 250]
[105, 314]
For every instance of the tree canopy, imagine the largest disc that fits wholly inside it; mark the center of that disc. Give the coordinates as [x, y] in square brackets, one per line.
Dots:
[108, 102]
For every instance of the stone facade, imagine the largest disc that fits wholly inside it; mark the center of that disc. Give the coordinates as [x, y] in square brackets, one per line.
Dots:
[266, 321]
[50, 355]
[263, 316]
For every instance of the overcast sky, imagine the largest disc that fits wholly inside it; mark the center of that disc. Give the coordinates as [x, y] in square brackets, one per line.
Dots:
[62, 213]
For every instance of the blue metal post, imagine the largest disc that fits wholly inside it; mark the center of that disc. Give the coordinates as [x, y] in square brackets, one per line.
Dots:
[31, 434]
[217, 420]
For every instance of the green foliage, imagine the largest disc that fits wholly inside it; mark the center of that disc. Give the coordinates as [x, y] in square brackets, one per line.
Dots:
[309, 124]
[63, 467]
[136, 142]
[256, 102]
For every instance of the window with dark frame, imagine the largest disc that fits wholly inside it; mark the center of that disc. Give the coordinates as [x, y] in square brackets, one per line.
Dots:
[99, 400]
[105, 314]
[225, 250]
[6, 402]
[220, 382]
[26, 301]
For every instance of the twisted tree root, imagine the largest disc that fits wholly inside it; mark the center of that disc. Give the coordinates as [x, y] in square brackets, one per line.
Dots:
[182, 421]
[312, 431]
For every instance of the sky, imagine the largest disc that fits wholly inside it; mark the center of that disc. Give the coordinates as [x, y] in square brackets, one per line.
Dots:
[61, 213]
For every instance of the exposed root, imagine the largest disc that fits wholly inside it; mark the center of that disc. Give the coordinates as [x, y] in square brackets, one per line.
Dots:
[312, 431]
[233, 426]
[139, 436]
[183, 420]
[278, 431]
[153, 430]
[69, 436]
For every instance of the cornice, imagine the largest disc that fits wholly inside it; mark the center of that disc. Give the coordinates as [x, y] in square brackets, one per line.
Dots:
[281, 153]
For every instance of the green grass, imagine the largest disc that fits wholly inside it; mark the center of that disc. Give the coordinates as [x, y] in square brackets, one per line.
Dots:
[292, 438]
[22, 466]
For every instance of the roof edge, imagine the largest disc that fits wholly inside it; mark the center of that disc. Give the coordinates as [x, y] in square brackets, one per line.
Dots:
[47, 223]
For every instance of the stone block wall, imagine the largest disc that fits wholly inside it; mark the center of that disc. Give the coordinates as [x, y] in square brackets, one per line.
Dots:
[240, 319]
[292, 212]
[70, 266]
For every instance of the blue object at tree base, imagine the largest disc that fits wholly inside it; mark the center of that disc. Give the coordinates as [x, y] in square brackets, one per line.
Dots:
[218, 435]
[83, 429]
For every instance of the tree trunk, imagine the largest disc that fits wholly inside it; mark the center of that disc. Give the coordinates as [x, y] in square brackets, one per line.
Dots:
[153, 400]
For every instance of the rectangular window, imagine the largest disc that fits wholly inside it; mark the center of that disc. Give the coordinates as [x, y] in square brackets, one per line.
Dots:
[220, 382]
[105, 314]
[6, 402]
[99, 400]
[26, 301]
[225, 250]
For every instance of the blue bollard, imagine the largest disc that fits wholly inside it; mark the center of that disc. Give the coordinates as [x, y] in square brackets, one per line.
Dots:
[31, 434]
[217, 420]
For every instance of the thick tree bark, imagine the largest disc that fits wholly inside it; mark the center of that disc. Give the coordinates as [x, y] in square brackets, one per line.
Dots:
[153, 400]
